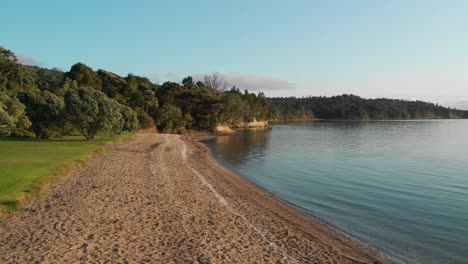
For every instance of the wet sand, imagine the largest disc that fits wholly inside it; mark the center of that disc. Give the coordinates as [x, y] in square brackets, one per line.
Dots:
[162, 199]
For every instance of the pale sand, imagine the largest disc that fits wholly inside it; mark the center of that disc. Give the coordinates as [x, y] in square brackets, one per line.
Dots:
[162, 199]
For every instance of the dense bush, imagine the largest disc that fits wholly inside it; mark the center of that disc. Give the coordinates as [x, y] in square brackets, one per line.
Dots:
[91, 111]
[144, 120]
[129, 117]
[43, 110]
[13, 119]
[169, 118]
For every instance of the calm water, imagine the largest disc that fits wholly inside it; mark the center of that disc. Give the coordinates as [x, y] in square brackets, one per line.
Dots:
[400, 186]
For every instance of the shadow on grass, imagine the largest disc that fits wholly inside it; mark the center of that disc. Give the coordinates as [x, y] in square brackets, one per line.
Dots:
[3, 138]
[74, 138]
[31, 139]
[10, 205]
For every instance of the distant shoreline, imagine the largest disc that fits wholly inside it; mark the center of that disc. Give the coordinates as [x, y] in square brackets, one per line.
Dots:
[321, 119]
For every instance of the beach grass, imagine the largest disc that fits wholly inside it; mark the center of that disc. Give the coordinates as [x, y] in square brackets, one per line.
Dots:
[28, 164]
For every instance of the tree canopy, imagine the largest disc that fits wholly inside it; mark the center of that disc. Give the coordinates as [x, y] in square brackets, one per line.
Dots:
[84, 76]
[353, 107]
[51, 101]
[91, 111]
[43, 109]
[13, 119]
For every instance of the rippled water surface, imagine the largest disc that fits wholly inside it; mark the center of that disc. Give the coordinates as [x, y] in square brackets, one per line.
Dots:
[400, 186]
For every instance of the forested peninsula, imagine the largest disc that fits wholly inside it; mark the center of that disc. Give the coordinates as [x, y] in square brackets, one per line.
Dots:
[50, 102]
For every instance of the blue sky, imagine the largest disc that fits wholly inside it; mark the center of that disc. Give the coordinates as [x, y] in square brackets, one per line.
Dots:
[397, 49]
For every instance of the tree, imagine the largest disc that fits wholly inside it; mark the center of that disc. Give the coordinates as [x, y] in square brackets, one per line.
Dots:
[110, 116]
[14, 77]
[112, 85]
[8, 63]
[200, 84]
[129, 117]
[150, 102]
[51, 80]
[91, 112]
[169, 92]
[138, 90]
[235, 110]
[144, 120]
[43, 110]
[169, 118]
[13, 119]
[84, 76]
[352, 107]
[68, 84]
[215, 82]
[187, 81]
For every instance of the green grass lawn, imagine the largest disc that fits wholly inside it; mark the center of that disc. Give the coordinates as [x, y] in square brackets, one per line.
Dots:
[27, 164]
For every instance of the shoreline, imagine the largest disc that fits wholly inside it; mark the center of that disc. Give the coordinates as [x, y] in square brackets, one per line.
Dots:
[317, 223]
[381, 253]
[159, 198]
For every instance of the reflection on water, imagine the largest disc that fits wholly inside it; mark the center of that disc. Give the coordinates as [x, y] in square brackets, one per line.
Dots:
[401, 186]
[236, 147]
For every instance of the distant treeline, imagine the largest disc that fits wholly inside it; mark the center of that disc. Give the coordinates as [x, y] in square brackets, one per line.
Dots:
[351, 107]
[51, 102]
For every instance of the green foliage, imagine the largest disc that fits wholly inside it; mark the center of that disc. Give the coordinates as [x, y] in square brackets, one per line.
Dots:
[82, 110]
[138, 92]
[129, 117]
[14, 77]
[110, 115]
[13, 119]
[126, 103]
[68, 84]
[150, 102]
[353, 107]
[113, 85]
[188, 81]
[8, 64]
[235, 110]
[243, 107]
[201, 104]
[169, 118]
[144, 120]
[43, 109]
[188, 120]
[91, 111]
[51, 80]
[21, 80]
[170, 92]
[84, 76]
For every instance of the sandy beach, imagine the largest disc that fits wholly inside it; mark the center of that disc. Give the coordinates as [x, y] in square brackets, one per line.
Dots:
[159, 198]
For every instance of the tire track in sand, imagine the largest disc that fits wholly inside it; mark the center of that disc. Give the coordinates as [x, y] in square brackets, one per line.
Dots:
[222, 201]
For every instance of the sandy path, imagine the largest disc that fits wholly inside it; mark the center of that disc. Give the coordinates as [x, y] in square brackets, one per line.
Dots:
[162, 199]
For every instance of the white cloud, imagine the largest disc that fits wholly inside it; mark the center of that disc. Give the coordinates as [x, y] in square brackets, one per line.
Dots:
[251, 82]
[463, 105]
[29, 61]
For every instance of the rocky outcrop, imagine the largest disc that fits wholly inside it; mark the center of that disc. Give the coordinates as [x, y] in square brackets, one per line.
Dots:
[225, 129]
[253, 124]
